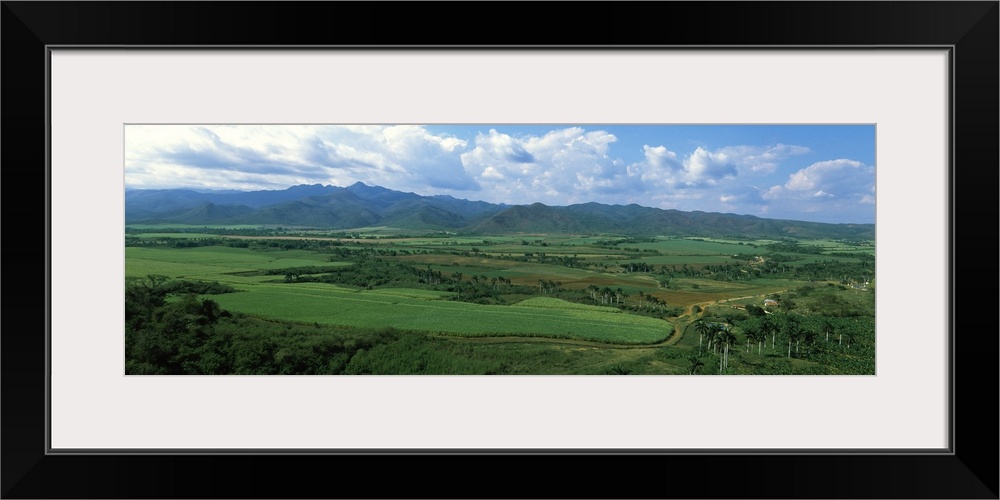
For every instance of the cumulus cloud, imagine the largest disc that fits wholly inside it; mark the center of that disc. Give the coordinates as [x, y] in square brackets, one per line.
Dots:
[704, 167]
[707, 167]
[839, 187]
[278, 156]
[762, 159]
[834, 177]
[397, 155]
[492, 173]
[500, 155]
[210, 155]
[572, 165]
[568, 164]
[661, 166]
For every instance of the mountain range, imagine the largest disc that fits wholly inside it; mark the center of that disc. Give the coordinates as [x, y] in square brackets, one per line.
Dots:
[360, 205]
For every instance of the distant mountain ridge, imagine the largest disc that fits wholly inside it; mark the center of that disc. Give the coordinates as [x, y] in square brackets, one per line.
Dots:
[361, 205]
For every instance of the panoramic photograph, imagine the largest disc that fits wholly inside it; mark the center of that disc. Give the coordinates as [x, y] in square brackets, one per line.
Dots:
[499, 249]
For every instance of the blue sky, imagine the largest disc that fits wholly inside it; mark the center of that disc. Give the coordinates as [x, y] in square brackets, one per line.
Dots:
[822, 173]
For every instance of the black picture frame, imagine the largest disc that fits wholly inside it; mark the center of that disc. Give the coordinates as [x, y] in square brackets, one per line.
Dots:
[969, 471]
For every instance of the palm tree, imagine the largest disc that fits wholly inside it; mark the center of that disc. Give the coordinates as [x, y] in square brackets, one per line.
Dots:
[702, 328]
[695, 365]
[652, 301]
[809, 337]
[827, 329]
[713, 337]
[794, 333]
[791, 330]
[753, 330]
[768, 327]
[725, 339]
[760, 338]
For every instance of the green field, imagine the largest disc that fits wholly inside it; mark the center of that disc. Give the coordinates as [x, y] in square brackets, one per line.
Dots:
[499, 304]
[404, 310]
[184, 235]
[694, 247]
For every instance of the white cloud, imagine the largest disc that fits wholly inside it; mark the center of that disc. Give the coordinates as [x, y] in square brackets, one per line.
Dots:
[762, 159]
[558, 167]
[827, 179]
[405, 157]
[661, 166]
[828, 174]
[707, 167]
[773, 193]
[838, 187]
[703, 167]
[501, 154]
[492, 173]
[573, 164]
[660, 157]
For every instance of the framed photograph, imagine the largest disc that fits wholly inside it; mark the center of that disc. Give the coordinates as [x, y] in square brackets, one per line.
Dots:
[423, 249]
[150, 127]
